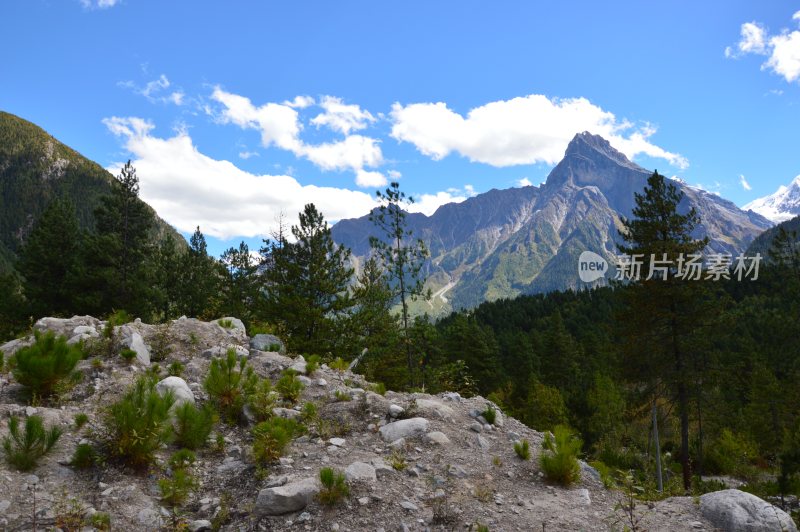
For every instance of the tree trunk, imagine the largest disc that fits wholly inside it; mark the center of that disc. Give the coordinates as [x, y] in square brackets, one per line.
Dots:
[658, 448]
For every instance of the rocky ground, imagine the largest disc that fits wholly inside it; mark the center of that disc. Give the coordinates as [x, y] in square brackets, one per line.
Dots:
[413, 461]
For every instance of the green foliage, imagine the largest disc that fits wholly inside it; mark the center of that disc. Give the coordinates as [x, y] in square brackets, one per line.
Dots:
[547, 408]
[334, 486]
[312, 364]
[308, 412]
[84, 456]
[45, 364]
[559, 457]
[239, 283]
[101, 521]
[81, 419]
[732, 454]
[262, 400]
[625, 510]
[23, 449]
[128, 354]
[193, 425]
[198, 281]
[341, 396]
[229, 382]
[225, 323]
[139, 423]
[175, 369]
[177, 488]
[397, 460]
[490, 415]
[338, 364]
[289, 387]
[271, 437]
[605, 474]
[523, 449]
[117, 318]
[379, 388]
[306, 284]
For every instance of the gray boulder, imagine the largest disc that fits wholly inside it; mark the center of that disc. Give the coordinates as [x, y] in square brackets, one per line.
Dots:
[267, 342]
[180, 390]
[734, 510]
[405, 428]
[236, 326]
[360, 471]
[136, 343]
[288, 498]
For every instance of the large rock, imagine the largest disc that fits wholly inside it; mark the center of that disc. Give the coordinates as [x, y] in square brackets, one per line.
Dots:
[136, 343]
[236, 326]
[267, 342]
[405, 428]
[288, 498]
[734, 510]
[430, 406]
[180, 390]
[360, 472]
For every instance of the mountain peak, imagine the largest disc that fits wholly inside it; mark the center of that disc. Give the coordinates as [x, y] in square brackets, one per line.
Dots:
[589, 145]
[780, 206]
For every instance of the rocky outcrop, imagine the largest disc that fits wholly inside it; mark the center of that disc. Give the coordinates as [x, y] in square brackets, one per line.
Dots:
[738, 511]
[287, 498]
[404, 429]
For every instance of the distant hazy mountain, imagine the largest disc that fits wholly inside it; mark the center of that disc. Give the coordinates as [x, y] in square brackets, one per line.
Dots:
[35, 168]
[504, 243]
[780, 206]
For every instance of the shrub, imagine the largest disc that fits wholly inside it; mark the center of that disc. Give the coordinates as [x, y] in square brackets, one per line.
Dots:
[81, 419]
[262, 400]
[309, 412]
[397, 460]
[732, 454]
[289, 386]
[523, 449]
[490, 415]
[225, 323]
[341, 396]
[559, 459]
[312, 364]
[128, 354]
[43, 365]
[379, 388]
[84, 456]
[139, 423]
[274, 347]
[176, 489]
[271, 437]
[23, 449]
[118, 317]
[101, 521]
[338, 364]
[175, 369]
[229, 383]
[334, 486]
[193, 425]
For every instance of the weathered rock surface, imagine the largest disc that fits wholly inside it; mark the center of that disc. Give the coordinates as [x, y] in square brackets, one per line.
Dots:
[287, 498]
[405, 428]
[738, 511]
[180, 390]
[267, 342]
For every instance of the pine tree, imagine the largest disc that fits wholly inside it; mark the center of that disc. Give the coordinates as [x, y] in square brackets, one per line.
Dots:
[663, 314]
[166, 278]
[49, 261]
[198, 281]
[306, 285]
[371, 323]
[239, 287]
[116, 255]
[402, 257]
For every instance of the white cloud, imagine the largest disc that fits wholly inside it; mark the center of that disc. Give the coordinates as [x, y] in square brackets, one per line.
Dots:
[300, 102]
[523, 130]
[428, 203]
[248, 154]
[524, 182]
[394, 174]
[342, 117]
[370, 179]
[744, 183]
[188, 188]
[156, 90]
[280, 126]
[99, 4]
[782, 49]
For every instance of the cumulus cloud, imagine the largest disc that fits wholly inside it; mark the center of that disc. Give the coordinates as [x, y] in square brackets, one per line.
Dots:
[188, 188]
[342, 117]
[524, 182]
[280, 126]
[428, 203]
[782, 49]
[744, 183]
[370, 179]
[523, 130]
[156, 91]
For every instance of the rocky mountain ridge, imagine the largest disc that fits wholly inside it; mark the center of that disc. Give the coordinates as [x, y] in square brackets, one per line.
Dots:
[413, 461]
[780, 206]
[504, 243]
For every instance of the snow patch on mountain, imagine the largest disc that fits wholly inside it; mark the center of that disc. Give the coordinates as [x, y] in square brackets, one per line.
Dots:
[783, 205]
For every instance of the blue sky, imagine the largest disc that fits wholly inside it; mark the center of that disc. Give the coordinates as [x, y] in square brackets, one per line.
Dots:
[234, 112]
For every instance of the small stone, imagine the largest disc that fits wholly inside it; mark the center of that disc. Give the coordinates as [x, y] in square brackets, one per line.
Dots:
[476, 427]
[457, 471]
[438, 438]
[338, 442]
[395, 410]
[200, 525]
[410, 506]
[30, 411]
[363, 501]
[483, 443]
[360, 471]
[322, 382]
[303, 517]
